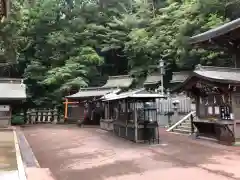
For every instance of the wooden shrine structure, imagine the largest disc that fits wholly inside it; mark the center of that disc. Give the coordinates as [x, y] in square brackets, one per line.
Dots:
[12, 96]
[216, 92]
[133, 115]
[85, 107]
[152, 81]
[217, 89]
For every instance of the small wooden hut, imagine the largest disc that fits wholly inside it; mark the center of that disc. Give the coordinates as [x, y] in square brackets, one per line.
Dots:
[86, 106]
[134, 115]
[12, 95]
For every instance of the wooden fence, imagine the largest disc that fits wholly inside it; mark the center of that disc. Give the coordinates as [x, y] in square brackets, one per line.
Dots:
[35, 116]
[185, 106]
[165, 108]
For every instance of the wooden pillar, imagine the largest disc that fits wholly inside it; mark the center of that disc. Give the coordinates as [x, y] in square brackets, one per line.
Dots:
[66, 109]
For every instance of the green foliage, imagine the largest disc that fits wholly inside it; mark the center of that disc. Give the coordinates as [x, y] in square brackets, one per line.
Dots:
[17, 120]
[60, 45]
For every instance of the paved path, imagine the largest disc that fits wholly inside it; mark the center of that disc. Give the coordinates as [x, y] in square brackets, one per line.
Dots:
[74, 153]
[8, 161]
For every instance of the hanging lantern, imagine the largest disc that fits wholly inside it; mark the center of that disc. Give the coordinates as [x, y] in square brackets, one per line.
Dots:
[223, 98]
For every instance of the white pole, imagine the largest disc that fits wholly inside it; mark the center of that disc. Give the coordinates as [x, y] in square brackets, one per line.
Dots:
[162, 88]
[136, 124]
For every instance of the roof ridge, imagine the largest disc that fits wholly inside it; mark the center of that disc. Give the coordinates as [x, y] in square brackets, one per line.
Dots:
[216, 32]
[181, 72]
[97, 88]
[119, 77]
[214, 68]
[133, 90]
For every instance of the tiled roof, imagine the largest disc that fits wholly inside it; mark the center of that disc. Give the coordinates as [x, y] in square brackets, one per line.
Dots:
[213, 74]
[137, 93]
[179, 77]
[92, 92]
[154, 78]
[12, 91]
[218, 74]
[113, 84]
[123, 81]
[213, 33]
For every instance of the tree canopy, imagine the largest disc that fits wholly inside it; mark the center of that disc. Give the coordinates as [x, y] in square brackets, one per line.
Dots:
[58, 46]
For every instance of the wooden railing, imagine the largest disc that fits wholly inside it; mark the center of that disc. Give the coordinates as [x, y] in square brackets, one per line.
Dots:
[189, 115]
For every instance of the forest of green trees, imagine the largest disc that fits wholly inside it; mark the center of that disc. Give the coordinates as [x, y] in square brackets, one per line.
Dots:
[58, 46]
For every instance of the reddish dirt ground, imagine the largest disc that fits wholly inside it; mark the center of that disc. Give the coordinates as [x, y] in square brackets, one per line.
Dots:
[73, 153]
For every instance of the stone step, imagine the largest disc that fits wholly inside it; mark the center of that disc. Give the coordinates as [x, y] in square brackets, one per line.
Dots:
[184, 127]
[186, 124]
[183, 131]
[39, 174]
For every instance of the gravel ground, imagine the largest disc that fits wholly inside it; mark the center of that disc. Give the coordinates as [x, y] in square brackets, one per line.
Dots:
[73, 153]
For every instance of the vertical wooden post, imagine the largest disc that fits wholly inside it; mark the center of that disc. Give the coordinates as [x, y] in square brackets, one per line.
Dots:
[66, 109]
[192, 127]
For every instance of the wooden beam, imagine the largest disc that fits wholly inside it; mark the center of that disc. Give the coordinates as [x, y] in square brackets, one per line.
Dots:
[73, 102]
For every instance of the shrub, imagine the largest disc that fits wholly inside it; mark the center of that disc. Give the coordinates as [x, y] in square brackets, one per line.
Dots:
[17, 120]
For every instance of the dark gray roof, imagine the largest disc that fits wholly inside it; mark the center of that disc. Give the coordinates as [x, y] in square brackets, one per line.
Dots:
[179, 77]
[92, 92]
[218, 74]
[122, 81]
[154, 78]
[11, 80]
[214, 74]
[113, 84]
[12, 91]
[136, 93]
[213, 33]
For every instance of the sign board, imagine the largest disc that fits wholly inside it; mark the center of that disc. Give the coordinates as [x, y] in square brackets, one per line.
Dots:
[225, 112]
[4, 107]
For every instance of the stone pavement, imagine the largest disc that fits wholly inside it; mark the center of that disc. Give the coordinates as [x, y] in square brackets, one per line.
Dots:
[8, 161]
[73, 153]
